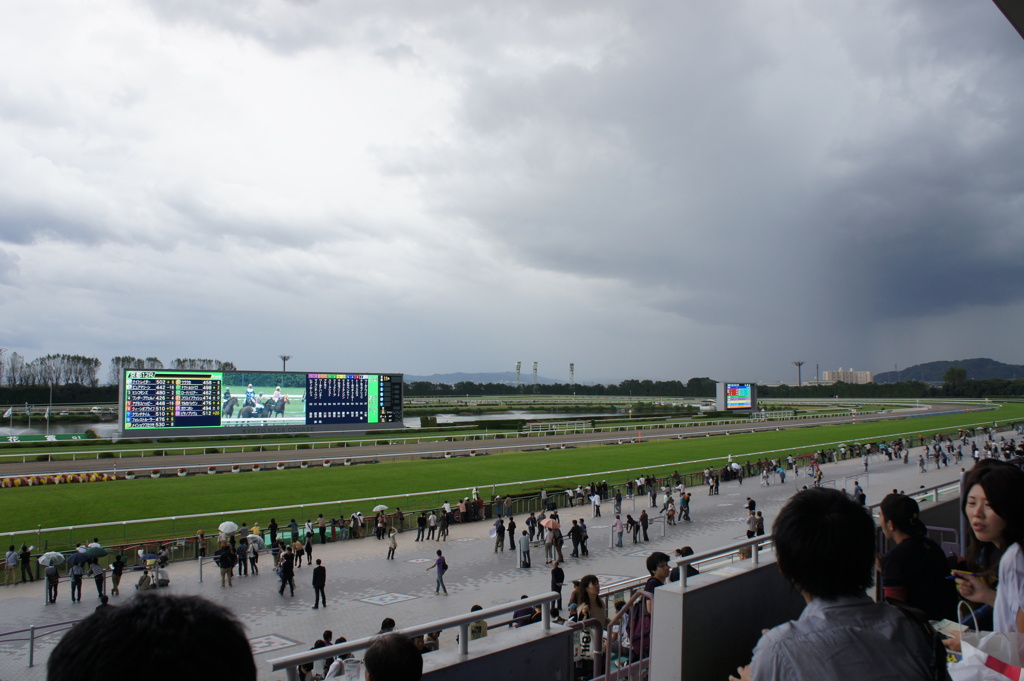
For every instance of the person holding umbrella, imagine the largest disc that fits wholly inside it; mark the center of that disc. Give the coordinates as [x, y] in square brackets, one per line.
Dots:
[552, 538]
[51, 560]
[227, 529]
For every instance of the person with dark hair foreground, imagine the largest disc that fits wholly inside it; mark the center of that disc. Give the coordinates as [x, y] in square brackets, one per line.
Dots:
[393, 657]
[158, 637]
[825, 547]
[915, 571]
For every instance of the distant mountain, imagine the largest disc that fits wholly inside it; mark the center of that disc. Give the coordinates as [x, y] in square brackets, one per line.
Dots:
[932, 372]
[507, 377]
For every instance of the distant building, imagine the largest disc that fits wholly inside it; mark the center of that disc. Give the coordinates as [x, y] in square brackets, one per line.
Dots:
[851, 376]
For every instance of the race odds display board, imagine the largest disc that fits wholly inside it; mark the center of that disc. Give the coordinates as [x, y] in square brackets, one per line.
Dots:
[158, 399]
[736, 397]
[166, 402]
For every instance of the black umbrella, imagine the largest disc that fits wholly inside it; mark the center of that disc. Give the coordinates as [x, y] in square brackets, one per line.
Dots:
[79, 557]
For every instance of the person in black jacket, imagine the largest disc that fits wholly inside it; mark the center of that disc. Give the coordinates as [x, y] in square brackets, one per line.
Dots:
[287, 568]
[319, 582]
[225, 559]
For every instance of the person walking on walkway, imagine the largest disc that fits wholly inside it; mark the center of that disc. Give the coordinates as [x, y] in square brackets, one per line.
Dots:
[575, 536]
[421, 526]
[116, 570]
[225, 559]
[557, 580]
[319, 582]
[441, 565]
[510, 529]
[76, 582]
[392, 544]
[617, 528]
[52, 576]
[524, 550]
[287, 568]
[432, 525]
[499, 535]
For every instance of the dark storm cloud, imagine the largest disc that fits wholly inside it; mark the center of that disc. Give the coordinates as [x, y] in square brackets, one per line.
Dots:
[687, 147]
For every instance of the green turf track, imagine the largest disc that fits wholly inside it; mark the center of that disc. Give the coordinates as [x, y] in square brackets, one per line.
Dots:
[113, 502]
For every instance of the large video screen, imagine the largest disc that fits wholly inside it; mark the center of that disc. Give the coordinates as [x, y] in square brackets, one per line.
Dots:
[739, 396]
[166, 402]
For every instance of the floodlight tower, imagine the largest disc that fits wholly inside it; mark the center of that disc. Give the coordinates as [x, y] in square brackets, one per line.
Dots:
[519, 367]
[799, 379]
[284, 361]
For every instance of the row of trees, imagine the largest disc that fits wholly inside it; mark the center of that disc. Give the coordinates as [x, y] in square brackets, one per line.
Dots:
[49, 370]
[119, 364]
[705, 388]
[59, 370]
[695, 387]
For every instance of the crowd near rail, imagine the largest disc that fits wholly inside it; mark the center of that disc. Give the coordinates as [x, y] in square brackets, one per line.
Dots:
[611, 626]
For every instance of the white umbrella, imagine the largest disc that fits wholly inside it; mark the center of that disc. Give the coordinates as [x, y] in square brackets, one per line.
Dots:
[256, 539]
[379, 507]
[227, 527]
[51, 558]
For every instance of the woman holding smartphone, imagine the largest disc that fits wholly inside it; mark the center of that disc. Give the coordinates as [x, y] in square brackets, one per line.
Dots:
[994, 507]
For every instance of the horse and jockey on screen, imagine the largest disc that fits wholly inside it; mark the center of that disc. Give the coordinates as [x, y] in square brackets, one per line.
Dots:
[254, 406]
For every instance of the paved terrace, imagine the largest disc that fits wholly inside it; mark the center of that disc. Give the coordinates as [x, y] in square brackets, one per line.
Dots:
[363, 588]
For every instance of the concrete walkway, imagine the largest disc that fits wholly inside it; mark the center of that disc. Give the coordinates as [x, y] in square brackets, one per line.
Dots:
[363, 587]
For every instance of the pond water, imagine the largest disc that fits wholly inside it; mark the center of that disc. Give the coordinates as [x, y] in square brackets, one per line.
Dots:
[107, 428]
[414, 421]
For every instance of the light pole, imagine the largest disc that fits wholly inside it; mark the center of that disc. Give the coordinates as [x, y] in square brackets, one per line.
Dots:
[284, 362]
[799, 379]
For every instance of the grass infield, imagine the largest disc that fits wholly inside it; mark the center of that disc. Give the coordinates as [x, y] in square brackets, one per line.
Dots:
[410, 485]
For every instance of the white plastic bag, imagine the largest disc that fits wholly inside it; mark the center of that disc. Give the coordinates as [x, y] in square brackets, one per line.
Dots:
[998, 654]
[989, 656]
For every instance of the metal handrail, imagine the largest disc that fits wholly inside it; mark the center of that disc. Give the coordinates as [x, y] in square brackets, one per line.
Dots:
[33, 636]
[290, 663]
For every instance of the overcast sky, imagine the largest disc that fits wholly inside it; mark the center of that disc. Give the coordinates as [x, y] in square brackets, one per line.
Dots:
[647, 189]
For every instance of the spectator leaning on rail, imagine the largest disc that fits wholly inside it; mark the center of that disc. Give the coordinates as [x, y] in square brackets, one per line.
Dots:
[825, 546]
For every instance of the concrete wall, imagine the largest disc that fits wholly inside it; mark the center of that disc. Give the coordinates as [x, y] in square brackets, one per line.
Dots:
[710, 628]
[507, 655]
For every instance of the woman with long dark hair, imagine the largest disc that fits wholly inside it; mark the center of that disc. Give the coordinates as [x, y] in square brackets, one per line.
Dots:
[589, 603]
[994, 507]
